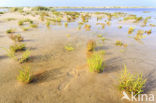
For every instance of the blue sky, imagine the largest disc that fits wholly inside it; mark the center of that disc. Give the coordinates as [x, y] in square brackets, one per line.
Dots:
[148, 3]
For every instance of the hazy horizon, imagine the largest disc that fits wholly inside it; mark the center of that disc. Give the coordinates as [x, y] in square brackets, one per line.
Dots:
[78, 3]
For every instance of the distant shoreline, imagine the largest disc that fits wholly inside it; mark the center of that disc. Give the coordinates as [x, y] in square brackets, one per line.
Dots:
[84, 7]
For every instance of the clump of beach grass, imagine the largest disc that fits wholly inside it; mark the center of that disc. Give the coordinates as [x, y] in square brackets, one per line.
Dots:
[16, 37]
[130, 30]
[9, 31]
[48, 23]
[18, 47]
[91, 44]
[95, 62]
[66, 24]
[120, 43]
[68, 48]
[24, 75]
[10, 53]
[148, 32]
[25, 28]
[25, 56]
[120, 27]
[33, 25]
[21, 22]
[131, 83]
[87, 27]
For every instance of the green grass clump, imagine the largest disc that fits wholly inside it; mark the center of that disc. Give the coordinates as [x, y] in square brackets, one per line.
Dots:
[9, 31]
[16, 38]
[91, 44]
[100, 35]
[24, 75]
[17, 47]
[119, 43]
[66, 24]
[131, 83]
[146, 20]
[48, 23]
[130, 30]
[21, 22]
[148, 32]
[87, 27]
[95, 62]
[119, 27]
[25, 28]
[10, 53]
[33, 25]
[25, 56]
[40, 8]
[1, 12]
[131, 17]
[68, 48]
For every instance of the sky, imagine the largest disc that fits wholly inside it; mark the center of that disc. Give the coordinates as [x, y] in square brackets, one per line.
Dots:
[77, 3]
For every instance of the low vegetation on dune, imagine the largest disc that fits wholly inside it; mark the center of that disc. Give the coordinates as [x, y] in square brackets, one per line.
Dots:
[131, 83]
[24, 75]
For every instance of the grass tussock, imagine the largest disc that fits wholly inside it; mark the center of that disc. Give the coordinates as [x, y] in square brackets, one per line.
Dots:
[68, 48]
[66, 24]
[25, 28]
[120, 27]
[9, 31]
[18, 47]
[131, 83]
[33, 25]
[87, 27]
[48, 23]
[119, 43]
[139, 36]
[24, 75]
[16, 37]
[10, 53]
[130, 30]
[95, 62]
[22, 22]
[148, 32]
[25, 56]
[91, 44]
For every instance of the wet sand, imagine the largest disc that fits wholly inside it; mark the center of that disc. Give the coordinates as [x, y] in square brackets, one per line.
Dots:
[64, 75]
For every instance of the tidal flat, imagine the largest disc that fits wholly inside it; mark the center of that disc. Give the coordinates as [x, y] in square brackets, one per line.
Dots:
[50, 56]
